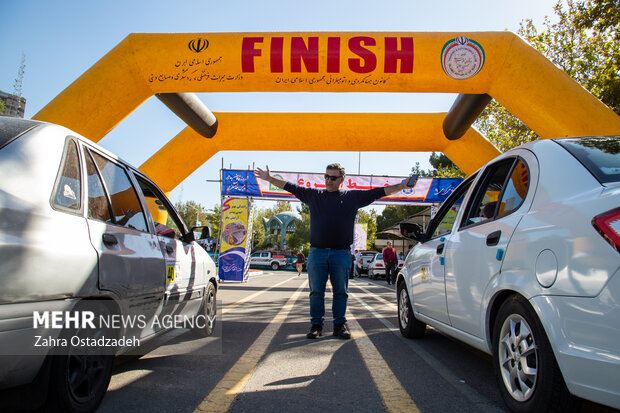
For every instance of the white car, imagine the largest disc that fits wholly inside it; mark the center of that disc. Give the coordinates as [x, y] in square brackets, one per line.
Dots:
[376, 267]
[363, 263]
[522, 262]
[85, 237]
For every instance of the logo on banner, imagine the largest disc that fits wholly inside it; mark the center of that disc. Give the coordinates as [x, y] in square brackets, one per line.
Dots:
[462, 58]
[198, 45]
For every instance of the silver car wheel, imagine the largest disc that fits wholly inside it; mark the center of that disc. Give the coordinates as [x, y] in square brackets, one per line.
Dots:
[518, 357]
[403, 308]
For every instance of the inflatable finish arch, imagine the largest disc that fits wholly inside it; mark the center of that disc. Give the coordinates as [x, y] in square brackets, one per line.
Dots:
[496, 63]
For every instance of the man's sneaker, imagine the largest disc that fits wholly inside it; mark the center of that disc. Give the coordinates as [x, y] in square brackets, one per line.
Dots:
[315, 331]
[342, 331]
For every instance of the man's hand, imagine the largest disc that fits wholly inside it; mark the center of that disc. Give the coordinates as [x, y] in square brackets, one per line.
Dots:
[264, 175]
[389, 190]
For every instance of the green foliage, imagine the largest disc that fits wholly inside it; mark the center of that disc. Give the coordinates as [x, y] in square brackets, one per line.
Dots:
[281, 206]
[502, 128]
[584, 41]
[439, 160]
[2, 106]
[421, 172]
[301, 236]
[393, 214]
[261, 239]
[601, 15]
[191, 211]
[214, 217]
[444, 167]
[450, 172]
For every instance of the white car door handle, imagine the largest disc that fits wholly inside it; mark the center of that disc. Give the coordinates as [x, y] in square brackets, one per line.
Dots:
[493, 238]
[109, 239]
[440, 249]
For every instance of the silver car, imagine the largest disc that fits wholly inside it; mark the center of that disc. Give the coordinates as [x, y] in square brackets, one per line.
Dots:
[86, 239]
[522, 262]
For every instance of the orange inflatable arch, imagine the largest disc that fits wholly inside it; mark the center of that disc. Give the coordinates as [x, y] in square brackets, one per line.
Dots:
[499, 64]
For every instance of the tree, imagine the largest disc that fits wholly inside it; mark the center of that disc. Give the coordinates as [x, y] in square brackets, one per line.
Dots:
[191, 212]
[260, 238]
[301, 237]
[444, 167]
[420, 172]
[584, 43]
[2, 106]
[214, 217]
[393, 214]
[370, 219]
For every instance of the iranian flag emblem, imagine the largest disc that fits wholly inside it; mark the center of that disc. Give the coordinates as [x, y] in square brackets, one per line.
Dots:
[462, 58]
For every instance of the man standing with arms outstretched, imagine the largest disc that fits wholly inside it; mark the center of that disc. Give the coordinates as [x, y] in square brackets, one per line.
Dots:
[332, 219]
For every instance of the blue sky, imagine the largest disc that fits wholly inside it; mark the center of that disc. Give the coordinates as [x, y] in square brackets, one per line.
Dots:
[61, 40]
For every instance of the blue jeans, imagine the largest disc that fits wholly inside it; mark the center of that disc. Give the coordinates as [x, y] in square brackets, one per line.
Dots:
[335, 265]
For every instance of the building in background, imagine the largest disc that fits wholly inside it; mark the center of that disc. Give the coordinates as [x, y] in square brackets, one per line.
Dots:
[15, 106]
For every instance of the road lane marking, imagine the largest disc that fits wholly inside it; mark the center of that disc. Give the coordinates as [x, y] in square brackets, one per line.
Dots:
[223, 395]
[236, 304]
[467, 391]
[394, 396]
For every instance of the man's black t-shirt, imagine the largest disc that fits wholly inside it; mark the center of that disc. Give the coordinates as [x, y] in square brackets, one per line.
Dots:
[332, 214]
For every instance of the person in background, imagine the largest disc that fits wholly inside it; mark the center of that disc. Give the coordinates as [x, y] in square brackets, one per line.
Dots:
[301, 258]
[391, 263]
[332, 221]
[357, 260]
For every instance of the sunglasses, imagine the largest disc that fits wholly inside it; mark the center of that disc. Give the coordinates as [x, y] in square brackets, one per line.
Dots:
[332, 178]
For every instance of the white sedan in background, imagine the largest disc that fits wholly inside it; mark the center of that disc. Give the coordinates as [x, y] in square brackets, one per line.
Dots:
[376, 267]
[522, 262]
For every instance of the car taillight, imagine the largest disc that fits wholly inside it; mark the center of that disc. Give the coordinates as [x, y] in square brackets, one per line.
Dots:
[608, 225]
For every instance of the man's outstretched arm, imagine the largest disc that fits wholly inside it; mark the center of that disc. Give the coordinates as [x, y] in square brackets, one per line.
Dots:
[266, 176]
[392, 189]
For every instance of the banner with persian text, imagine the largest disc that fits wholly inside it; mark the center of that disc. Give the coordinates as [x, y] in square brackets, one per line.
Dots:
[244, 183]
[235, 236]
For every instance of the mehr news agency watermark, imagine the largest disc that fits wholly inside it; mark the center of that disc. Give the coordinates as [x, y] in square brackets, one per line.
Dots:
[81, 321]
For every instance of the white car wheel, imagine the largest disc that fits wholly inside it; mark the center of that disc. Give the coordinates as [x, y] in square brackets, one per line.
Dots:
[208, 309]
[528, 375]
[409, 326]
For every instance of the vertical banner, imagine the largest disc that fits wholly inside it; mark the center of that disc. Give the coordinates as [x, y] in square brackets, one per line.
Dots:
[233, 239]
[248, 242]
[360, 237]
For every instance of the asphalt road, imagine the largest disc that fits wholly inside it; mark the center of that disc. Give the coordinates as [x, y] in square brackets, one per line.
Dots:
[261, 361]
